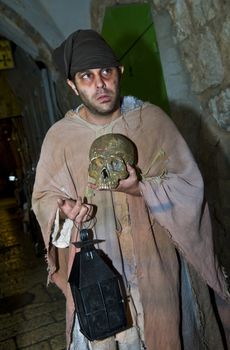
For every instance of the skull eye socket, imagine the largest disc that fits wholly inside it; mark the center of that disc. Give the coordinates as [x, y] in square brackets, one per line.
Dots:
[117, 164]
[97, 162]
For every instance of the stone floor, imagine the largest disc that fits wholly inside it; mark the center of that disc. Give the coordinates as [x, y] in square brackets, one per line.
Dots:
[32, 316]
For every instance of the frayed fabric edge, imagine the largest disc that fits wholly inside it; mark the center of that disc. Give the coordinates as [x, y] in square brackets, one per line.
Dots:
[226, 277]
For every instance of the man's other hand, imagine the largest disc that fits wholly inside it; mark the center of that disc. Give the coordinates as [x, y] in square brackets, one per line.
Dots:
[77, 211]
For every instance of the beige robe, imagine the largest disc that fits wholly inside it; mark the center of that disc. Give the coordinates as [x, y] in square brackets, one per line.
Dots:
[145, 233]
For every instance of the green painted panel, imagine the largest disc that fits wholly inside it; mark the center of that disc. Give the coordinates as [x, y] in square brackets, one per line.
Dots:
[129, 29]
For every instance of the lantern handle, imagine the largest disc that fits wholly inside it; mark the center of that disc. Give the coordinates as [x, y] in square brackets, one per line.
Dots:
[85, 241]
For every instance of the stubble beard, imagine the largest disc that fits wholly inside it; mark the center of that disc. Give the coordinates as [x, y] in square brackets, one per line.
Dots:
[112, 106]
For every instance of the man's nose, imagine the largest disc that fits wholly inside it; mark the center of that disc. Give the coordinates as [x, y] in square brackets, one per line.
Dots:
[100, 83]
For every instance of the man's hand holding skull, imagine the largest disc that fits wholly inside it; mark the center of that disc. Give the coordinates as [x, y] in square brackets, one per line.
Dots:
[130, 185]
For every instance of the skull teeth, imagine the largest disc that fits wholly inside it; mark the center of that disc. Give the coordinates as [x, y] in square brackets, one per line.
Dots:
[107, 185]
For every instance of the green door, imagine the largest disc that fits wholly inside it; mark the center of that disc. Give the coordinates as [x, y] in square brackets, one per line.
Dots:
[129, 29]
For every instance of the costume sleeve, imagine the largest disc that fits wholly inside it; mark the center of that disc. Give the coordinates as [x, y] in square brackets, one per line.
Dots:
[53, 181]
[46, 190]
[171, 184]
[174, 195]
[172, 188]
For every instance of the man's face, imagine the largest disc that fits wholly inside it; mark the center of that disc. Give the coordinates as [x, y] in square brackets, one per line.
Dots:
[99, 89]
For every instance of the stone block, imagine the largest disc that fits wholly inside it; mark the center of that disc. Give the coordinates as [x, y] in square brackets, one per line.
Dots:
[8, 345]
[55, 308]
[203, 11]
[181, 17]
[225, 38]
[40, 334]
[8, 320]
[24, 326]
[58, 343]
[203, 60]
[39, 346]
[220, 109]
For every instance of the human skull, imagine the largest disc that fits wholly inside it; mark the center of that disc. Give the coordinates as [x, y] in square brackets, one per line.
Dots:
[108, 157]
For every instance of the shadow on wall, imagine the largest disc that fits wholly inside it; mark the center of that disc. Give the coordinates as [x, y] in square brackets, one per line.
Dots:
[213, 163]
[188, 121]
[205, 145]
[213, 143]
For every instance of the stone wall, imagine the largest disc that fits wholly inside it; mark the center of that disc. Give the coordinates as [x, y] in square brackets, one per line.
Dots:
[201, 33]
[202, 30]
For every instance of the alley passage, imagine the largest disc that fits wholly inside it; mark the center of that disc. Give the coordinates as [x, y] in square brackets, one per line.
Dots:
[32, 315]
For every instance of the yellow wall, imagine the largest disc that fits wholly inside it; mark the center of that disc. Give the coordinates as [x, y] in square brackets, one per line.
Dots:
[9, 104]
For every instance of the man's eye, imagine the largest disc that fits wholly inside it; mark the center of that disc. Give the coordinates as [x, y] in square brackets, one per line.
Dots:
[106, 71]
[86, 76]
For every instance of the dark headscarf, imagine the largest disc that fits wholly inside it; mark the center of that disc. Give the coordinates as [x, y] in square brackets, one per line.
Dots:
[82, 50]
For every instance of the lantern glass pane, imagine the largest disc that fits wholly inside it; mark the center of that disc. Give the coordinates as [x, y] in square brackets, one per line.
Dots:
[92, 298]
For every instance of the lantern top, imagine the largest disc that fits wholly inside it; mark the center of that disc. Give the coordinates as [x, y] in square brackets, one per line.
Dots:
[86, 241]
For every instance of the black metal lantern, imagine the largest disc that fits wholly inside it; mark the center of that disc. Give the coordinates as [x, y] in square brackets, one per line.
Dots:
[97, 291]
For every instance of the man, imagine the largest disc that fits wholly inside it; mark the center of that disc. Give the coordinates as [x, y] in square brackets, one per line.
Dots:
[156, 229]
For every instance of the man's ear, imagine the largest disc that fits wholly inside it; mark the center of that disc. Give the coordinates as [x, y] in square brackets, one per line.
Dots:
[121, 68]
[73, 86]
